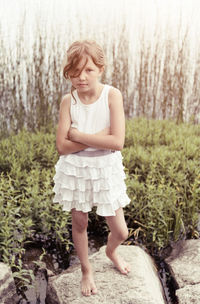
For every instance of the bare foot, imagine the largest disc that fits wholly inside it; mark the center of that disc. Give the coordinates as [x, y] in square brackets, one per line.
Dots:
[88, 286]
[118, 261]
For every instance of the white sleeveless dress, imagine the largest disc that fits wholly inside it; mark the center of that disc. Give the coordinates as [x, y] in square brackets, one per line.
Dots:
[91, 177]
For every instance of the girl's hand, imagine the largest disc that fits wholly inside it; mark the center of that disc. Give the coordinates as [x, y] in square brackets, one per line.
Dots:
[76, 136]
[73, 134]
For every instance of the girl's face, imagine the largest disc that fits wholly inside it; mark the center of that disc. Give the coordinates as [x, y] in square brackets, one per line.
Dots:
[86, 75]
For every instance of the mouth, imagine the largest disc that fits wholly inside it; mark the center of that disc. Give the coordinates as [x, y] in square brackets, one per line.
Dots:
[82, 84]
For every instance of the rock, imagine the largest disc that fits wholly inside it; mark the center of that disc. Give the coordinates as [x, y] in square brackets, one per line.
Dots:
[189, 294]
[184, 263]
[8, 292]
[50, 273]
[37, 293]
[198, 225]
[140, 286]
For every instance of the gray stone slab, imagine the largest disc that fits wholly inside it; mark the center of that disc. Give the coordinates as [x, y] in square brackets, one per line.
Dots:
[184, 262]
[189, 294]
[8, 292]
[140, 286]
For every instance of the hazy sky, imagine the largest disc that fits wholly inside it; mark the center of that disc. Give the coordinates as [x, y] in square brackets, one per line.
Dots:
[101, 11]
[101, 16]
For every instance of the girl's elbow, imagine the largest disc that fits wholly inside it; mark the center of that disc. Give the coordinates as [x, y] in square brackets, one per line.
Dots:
[119, 146]
[59, 147]
[63, 147]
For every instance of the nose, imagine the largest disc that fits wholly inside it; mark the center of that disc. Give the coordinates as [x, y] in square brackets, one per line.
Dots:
[82, 75]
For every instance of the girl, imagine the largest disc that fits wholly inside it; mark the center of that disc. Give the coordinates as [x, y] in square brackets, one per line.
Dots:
[89, 172]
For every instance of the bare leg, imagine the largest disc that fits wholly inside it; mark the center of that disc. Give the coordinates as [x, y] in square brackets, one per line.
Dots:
[80, 239]
[118, 234]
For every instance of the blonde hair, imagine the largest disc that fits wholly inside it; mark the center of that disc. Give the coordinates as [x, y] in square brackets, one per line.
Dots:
[75, 53]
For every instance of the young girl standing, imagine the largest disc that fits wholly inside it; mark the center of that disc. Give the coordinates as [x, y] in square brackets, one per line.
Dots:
[89, 172]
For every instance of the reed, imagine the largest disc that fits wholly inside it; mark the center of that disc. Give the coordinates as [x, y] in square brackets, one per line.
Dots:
[158, 79]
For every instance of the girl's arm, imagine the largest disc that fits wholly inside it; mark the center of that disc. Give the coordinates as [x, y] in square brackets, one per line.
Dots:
[63, 144]
[114, 140]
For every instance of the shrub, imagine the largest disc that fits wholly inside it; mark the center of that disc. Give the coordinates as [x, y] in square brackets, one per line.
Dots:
[163, 182]
[26, 209]
[163, 178]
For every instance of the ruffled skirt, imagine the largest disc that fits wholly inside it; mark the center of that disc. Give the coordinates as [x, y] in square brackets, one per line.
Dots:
[82, 182]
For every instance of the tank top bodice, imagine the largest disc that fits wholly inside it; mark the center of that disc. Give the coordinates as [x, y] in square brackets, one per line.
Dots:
[90, 118]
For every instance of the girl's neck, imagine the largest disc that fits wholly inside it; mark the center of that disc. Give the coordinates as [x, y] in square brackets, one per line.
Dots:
[92, 95]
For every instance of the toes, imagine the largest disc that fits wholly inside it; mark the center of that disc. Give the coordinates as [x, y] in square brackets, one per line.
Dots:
[89, 290]
[128, 269]
[94, 290]
[86, 292]
[124, 269]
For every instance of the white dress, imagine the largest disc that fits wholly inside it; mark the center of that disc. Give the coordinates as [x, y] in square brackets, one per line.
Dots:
[91, 177]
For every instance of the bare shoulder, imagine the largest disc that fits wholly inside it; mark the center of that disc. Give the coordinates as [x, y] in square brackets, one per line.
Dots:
[65, 102]
[114, 96]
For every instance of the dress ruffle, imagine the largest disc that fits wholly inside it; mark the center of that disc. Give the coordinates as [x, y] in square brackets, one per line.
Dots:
[83, 182]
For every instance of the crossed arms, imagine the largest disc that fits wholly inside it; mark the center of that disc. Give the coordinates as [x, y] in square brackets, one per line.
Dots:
[110, 138]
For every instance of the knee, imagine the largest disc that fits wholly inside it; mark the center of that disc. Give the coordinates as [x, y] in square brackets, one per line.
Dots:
[80, 226]
[80, 223]
[122, 235]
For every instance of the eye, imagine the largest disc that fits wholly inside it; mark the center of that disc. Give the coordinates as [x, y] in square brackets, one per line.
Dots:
[89, 70]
